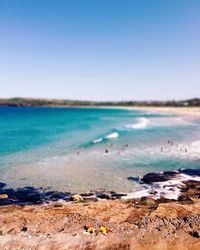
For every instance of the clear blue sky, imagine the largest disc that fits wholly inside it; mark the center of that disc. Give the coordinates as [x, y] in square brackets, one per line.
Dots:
[100, 49]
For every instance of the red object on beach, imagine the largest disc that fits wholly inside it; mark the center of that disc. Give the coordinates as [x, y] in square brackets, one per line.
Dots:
[104, 230]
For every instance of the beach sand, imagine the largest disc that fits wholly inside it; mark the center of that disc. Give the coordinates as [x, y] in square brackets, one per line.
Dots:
[185, 111]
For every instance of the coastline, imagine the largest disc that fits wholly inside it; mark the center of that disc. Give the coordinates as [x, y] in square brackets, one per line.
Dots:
[193, 112]
[153, 219]
[134, 224]
[144, 222]
[186, 111]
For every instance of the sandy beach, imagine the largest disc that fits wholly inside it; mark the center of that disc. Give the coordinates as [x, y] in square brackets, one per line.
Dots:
[185, 111]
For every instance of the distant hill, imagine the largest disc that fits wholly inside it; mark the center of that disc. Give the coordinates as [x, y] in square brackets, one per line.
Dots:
[32, 102]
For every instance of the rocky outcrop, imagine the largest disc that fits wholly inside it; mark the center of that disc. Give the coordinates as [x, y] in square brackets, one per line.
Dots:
[159, 177]
[143, 223]
[135, 224]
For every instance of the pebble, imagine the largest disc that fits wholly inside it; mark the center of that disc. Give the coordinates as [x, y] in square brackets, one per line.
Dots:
[76, 197]
[3, 196]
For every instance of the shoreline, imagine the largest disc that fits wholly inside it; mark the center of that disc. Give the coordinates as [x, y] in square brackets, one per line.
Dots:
[154, 185]
[158, 109]
[186, 111]
[166, 213]
[138, 223]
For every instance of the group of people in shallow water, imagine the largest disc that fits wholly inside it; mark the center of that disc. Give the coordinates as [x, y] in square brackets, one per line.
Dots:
[171, 145]
[118, 152]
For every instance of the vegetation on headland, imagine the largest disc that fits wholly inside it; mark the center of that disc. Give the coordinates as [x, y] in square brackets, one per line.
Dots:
[33, 102]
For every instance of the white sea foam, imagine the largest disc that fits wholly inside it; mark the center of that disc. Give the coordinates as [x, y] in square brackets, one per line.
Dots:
[98, 140]
[167, 189]
[141, 123]
[196, 144]
[194, 148]
[112, 135]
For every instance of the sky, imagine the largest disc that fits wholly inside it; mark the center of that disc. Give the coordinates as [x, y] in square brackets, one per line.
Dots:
[100, 49]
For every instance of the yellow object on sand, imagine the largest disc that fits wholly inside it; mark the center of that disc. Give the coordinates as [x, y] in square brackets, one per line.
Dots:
[103, 230]
[89, 230]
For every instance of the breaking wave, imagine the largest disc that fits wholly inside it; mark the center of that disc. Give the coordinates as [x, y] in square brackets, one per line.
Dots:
[98, 140]
[112, 135]
[141, 123]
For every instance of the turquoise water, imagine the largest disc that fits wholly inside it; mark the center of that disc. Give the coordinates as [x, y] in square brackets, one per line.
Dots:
[64, 148]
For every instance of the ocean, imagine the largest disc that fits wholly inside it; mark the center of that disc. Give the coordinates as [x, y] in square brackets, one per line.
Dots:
[82, 149]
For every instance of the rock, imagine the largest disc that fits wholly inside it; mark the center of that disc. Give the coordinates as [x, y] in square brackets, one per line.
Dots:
[195, 234]
[90, 199]
[3, 196]
[58, 205]
[191, 189]
[147, 201]
[87, 194]
[24, 229]
[76, 197]
[185, 199]
[59, 195]
[118, 195]
[159, 177]
[101, 195]
[34, 197]
[164, 200]
[191, 172]
[2, 185]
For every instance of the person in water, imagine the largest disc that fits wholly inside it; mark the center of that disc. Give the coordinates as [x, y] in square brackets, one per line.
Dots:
[106, 151]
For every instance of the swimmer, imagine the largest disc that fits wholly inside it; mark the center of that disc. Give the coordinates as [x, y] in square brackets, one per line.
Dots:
[106, 151]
